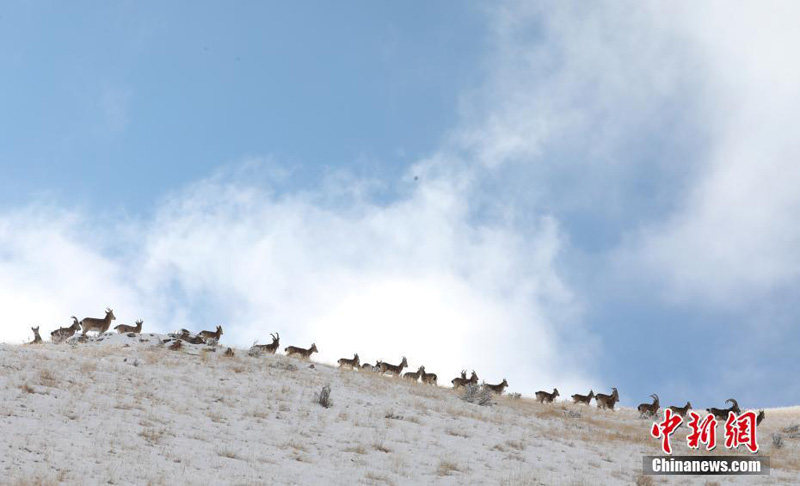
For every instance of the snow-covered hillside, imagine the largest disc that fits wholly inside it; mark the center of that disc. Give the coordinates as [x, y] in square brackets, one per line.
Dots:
[128, 410]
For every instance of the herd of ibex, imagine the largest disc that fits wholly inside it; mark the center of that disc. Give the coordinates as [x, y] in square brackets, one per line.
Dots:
[101, 325]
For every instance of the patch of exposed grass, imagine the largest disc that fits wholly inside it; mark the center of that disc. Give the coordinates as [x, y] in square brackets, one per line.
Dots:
[447, 466]
[229, 453]
[151, 434]
[47, 378]
[357, 449]
[456, 432]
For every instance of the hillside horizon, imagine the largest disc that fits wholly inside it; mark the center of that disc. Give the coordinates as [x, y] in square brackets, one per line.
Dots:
[95, 412]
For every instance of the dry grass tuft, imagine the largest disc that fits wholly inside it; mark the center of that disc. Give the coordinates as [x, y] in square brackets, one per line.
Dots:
[379, 445]
[456, 433]
[152, 435]
[294, 445]
[357, 449]
[47, 378]
[230, 454]
[446, 467]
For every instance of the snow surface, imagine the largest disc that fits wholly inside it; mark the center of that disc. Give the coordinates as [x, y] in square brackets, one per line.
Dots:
[127, 410]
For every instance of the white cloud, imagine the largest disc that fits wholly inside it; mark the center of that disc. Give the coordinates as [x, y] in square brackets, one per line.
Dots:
[52, 266]
[578, 97]
[414, 277]
[734, 238]
[574, 93]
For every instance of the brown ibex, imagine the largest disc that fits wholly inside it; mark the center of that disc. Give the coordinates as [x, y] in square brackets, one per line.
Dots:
[267, 348]
[97, 324]
[460, 381]
[463, 381]
[124, 328]
[64, 333]
[396, 370]
[544, 397]
[498, 388]
[585, 399]
[649, 409]
[428, 378]
[276, 341]
[304, 353]
[682, 411]
[187, 336]
[414, 375]
[211, 336]
[607, 401]
[37, 339]
[350, 363]
[722, 413]
[376, 368]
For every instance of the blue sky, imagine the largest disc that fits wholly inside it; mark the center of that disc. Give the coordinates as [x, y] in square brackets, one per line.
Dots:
[157, 95]
[566, 195]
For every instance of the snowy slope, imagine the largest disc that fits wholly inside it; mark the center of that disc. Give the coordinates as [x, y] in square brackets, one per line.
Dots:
[130, 411]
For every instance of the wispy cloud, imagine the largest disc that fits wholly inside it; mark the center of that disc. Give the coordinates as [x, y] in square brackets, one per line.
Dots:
[415, 277]
[732, 240]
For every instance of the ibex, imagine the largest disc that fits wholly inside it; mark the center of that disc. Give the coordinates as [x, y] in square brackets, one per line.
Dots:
[393, 369]
[607, 401]
[267, 348]
[185, 335]
[64, 333]
[649, 409]
[428, 378]
[722, 413]
[460, 381]
[368, 367]
[760, 417]
[463, 381]
[208, 336]
[682, 411]
[585, 399]
[497, 388]
[37, 339]
[350, 363]
[125, 329]
[414, 375]
[229, 353]
[544, 397]
[304, 353]
[96, 324]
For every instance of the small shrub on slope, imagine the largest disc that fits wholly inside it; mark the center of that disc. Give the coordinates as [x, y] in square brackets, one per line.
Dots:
[477, 394]
[324, 397]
